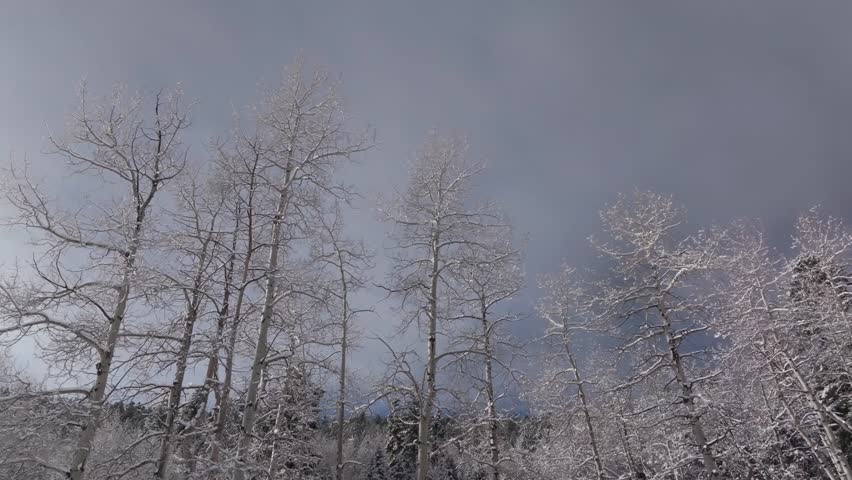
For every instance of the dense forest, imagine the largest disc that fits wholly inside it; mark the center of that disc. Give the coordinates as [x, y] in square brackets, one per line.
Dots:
[198, 315]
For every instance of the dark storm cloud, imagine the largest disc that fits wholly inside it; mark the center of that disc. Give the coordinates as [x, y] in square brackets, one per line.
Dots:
[737, 108]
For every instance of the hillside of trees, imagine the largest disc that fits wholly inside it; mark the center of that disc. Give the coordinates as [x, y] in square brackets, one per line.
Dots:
[198, 317]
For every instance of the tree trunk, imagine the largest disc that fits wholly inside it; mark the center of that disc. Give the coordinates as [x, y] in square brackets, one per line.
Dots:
[624, 439]
[273, 457]
[180, 367]
[835, 453]
[175, 391]
[584, 405]
[97, 395]
[424, 444]
[211, 375]
[838, 458]
[493, 445]
[224, 390]
[258, 365]
[815, 449]
[341, 386]
[688, 397]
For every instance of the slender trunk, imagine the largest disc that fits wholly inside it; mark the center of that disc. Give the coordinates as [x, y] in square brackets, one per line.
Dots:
[832, 443]
[211, 375]
[262, 349]
[180, 367]
[779, 438]
[97, 394]
[273, 458]
[584, 406]
[341, 407]
[223, 408]
[175, 392]
[493, 445]
[798, 428]
[224, 390]
[688, 397]
[341, 386]
[424, 444]
[624, 438]
[838, 458]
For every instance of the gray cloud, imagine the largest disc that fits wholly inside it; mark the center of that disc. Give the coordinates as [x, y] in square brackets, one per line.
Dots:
[739, 109]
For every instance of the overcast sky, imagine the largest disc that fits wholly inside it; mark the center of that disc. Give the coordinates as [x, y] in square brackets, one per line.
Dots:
[736, 108]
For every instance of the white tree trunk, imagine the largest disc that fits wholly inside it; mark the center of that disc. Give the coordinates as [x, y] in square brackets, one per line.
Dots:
[424, 443]
[176, 389]
[97, 395]
[175, 392]
[259, 362]
[341, 384]
[832, 444]
[688, 397]
[273, 456]
[584, 406]
[493, 439]
[224, 403]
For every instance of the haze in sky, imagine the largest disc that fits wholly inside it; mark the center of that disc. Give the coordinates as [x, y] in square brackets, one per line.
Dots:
[736, 108]
[675, 354]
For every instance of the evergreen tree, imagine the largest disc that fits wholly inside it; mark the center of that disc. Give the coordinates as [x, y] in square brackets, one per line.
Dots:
[443, 465]
[377, 470]
[820, 290]
[401, 444]
[288, 426]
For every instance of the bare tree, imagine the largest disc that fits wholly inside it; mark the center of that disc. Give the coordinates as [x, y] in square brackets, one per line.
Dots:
[242, 164]
[489, 276]
[789, 320]
[347, 260]
[306, 125]
[655, 294]
[566, 307]
[197, 241]
[432, 226]
[91, 261]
